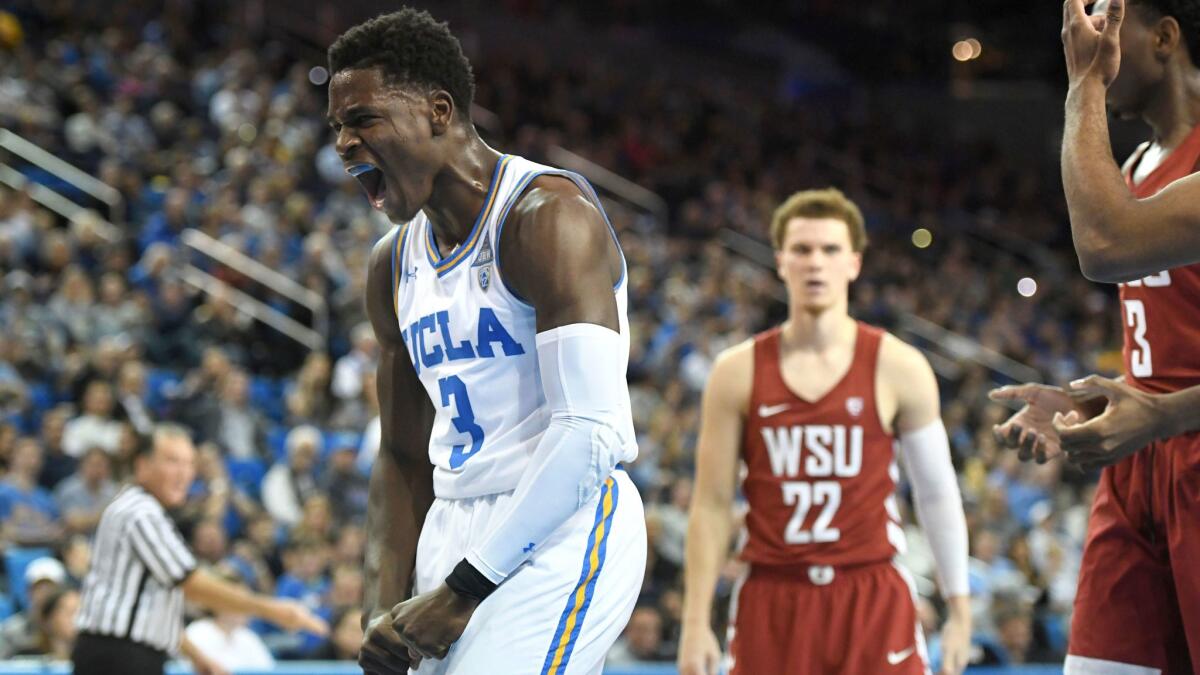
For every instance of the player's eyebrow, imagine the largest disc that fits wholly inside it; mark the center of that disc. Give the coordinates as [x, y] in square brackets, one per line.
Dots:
[350, 113]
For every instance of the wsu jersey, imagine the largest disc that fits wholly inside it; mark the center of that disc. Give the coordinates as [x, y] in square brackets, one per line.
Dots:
[821, 476]
[1161, 312]
[472, 342]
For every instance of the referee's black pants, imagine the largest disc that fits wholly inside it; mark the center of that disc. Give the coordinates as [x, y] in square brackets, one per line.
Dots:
[105, 655]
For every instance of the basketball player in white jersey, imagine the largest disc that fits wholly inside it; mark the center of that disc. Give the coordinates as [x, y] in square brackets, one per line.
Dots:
[503, 535]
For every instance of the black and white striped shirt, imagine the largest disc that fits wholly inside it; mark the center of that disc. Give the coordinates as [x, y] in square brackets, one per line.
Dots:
[138, 561]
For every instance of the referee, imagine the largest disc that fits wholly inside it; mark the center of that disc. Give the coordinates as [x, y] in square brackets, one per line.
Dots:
[131, 615]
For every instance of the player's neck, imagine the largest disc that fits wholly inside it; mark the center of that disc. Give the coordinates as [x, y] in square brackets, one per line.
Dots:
[1175, 111]
[817, 331]
[459, 192]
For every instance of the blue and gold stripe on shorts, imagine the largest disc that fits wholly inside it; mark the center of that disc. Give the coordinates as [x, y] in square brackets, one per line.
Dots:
[573, 614]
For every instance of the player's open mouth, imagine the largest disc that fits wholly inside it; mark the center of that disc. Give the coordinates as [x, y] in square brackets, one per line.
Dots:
[371, 178]
[814, 285]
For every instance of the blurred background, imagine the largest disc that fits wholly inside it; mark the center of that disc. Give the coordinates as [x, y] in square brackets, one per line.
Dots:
[178, 241]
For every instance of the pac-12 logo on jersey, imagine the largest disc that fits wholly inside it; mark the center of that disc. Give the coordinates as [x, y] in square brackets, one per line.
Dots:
[854, 406]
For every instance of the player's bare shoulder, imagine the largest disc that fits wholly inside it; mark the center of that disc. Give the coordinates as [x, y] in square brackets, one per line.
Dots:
[731, 381]
[906, 386]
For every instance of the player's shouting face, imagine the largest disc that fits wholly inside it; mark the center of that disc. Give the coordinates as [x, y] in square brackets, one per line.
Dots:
[817, 263]
[389, 137]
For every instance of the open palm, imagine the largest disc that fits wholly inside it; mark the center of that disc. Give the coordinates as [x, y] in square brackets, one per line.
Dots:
[1031, 430]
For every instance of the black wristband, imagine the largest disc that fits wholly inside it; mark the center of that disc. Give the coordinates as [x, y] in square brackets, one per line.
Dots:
[470, 582]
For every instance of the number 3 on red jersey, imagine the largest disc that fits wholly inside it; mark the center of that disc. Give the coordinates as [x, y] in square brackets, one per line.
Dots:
[1140, 364]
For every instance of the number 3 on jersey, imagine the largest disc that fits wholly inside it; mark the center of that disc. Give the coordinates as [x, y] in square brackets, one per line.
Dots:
[464, 422]
[1139, 356]
[804, 495]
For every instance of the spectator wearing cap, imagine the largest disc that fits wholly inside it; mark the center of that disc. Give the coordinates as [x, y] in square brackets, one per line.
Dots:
[81, 498]
[56, 631]
[288, 485]
[19, 632]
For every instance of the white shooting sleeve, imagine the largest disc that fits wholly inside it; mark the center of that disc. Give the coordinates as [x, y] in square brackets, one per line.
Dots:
[926, 456]
[583, 376]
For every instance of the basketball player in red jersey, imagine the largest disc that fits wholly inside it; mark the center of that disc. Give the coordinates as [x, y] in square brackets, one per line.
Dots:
[1137, 609]
[813, 408]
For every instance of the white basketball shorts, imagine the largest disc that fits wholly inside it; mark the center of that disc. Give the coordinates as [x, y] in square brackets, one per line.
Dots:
[562, 610]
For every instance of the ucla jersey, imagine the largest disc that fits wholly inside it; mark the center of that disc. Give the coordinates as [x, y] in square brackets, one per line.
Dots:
[471, 341]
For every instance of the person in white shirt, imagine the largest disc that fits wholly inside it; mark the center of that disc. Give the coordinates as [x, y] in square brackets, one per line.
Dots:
[225, 638]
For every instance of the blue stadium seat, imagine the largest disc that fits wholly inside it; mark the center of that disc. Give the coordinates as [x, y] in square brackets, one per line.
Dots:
[7, 606]
[15, 562]
[277, 442]
[247, 473]
[266, 394]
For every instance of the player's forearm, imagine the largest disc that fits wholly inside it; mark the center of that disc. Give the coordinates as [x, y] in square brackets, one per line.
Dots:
[217, 594]
[709, 530]
[582, 373]
[1177, 412]
[1097, 198]
[398, 499]
[958, 607]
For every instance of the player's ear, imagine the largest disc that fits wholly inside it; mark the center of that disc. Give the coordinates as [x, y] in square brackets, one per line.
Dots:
[441, 112]
[1167, 36]
[855, 265]
[779, 264]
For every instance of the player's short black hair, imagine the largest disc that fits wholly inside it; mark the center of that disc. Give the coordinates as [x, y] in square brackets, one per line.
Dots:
[411, 48]
[1187, 13]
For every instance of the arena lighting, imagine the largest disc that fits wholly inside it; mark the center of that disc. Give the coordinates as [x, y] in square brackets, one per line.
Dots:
[1027, 287]
[247, 132]
[976, 47]
[922, 238]
[961, 51]
[318, 75]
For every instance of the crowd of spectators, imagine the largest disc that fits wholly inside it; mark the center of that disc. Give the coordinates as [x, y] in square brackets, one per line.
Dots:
[100, 336]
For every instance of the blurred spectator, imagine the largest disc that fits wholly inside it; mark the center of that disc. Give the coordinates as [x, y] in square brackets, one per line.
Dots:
[350, 370]
[81, 498]
[131, 397]
[641, 641]
[225, 637]
[76, 556]
[345, 638]
[209, 542]
[288, 484]
[56, 626]
[28, 515]
[96, 427]
[346, 486]
[19, 633]
[232, 421]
